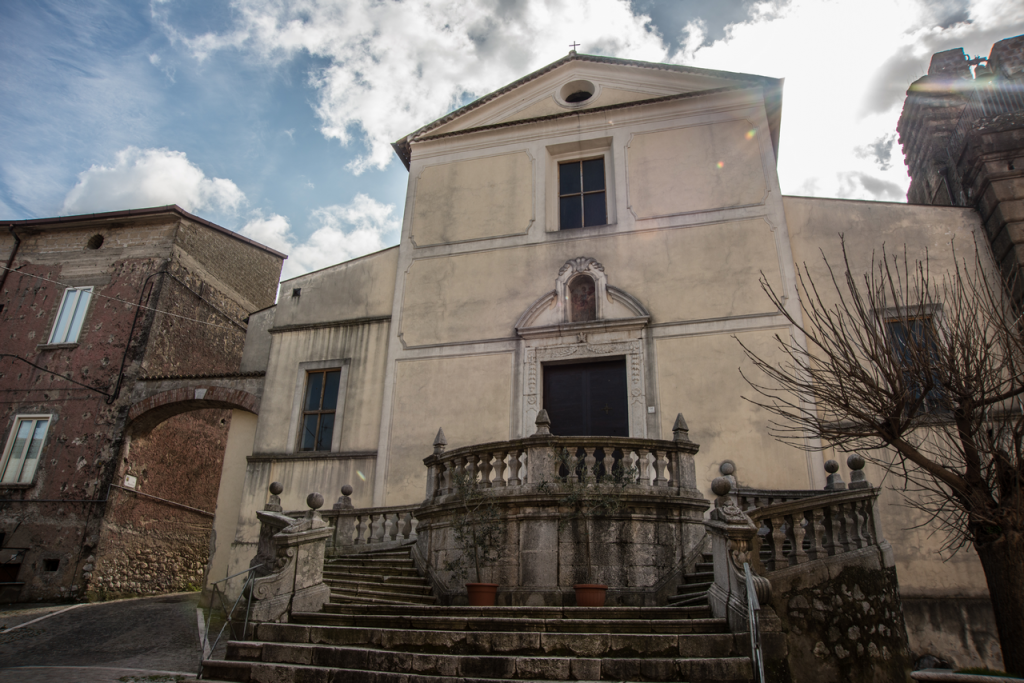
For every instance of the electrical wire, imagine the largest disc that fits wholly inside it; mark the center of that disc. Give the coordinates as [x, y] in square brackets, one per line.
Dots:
[114, 298]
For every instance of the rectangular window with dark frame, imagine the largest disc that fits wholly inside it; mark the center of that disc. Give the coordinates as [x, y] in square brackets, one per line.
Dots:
[23, 449]
[581, 194]
[318, 409]
[911, 336]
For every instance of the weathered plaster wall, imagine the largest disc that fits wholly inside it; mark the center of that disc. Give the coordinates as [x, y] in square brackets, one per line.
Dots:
[677, 274]
[443, 393]
[721, 163]
[473, 199]
[698, 376]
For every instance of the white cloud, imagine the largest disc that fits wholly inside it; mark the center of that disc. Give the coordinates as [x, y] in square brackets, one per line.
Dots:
[342, 233]
[394, 66]
[150, 177]
[847, 65]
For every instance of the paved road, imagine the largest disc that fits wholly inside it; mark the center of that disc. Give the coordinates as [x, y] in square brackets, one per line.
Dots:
[113, 642]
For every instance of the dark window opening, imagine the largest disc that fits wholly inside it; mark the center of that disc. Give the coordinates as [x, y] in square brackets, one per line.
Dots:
[582, 299]
[95, 242]
[914, 342]
[579, 96]
[587, 399]
[581, 194]
[318, 409]
[51, 565]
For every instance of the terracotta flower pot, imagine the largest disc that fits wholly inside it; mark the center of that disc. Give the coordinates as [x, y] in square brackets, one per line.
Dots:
[482, 594]
[590, 594]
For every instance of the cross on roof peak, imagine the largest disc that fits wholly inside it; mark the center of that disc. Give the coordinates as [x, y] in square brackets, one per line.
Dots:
[574, 45]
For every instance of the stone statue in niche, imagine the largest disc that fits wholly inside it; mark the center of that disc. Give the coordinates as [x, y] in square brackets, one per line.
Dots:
[582, 299]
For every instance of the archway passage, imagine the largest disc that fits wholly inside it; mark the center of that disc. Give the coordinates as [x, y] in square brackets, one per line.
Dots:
[587, 399]
[151, 411]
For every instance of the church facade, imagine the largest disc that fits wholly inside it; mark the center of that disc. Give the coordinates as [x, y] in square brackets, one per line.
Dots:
[589, 240]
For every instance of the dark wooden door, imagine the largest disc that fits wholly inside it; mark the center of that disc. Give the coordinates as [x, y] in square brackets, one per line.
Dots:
[587, 399]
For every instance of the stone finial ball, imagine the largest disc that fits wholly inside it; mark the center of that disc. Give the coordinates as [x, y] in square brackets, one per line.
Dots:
[831, 466]
[855, 461]
[726, 468]
[276, 488]
[315, 501]
[720, 486]
[346, 490]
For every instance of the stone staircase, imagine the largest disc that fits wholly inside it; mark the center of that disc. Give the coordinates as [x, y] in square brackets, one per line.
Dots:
[694, 590]
[382, 577]
[381, 643]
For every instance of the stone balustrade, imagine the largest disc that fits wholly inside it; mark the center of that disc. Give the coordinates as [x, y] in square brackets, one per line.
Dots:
[800, 531]
[546, 458]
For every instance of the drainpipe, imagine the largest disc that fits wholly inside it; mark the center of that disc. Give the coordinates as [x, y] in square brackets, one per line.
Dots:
[10, 260]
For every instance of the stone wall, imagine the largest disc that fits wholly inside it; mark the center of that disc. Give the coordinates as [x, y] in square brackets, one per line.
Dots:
[843, 620]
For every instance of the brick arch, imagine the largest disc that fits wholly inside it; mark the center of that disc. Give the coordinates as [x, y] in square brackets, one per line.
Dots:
[151, 411]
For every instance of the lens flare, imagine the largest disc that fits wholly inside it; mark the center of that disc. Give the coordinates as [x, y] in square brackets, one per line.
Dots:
[721, 164]
[751, 133]
[362, 477]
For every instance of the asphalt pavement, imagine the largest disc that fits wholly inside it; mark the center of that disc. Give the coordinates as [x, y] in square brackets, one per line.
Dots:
[155, 640]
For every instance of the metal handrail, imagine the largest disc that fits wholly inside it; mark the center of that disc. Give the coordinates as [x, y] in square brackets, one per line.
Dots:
[246, 592]
[754, 623]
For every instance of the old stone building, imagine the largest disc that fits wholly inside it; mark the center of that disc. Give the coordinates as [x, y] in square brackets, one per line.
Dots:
[589, 240]
[122, 334]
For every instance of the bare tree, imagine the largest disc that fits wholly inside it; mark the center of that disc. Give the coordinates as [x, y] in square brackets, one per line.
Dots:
[928, 372]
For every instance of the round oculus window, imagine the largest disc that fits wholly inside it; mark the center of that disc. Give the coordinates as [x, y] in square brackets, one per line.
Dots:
[577, 92]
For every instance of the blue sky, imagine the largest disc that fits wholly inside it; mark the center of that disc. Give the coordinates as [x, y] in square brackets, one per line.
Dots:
[274, 117]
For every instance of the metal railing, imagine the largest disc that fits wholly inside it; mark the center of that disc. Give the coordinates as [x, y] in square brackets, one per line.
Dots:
[217, 595]
[753, 619]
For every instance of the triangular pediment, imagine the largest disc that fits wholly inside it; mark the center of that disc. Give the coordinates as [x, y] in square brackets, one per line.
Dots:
[555, 89]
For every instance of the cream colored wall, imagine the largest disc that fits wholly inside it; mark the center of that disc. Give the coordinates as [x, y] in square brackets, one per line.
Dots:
[473, 199]
[699, 376]
[229, 496]
[605, 98]
[815, 224]
[695, 168]
[693, 273]
[363, 347]
[368, 284]
[467, 396]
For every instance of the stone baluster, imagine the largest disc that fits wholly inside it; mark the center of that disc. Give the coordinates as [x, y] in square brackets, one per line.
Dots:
[867, 531]
[644, 466]
[459, 472]
[856, 522]
[363, 536]
[513, 467]
[377, 527]
[589, 473]
[391, 527]
[413, 523]
[830, 543]
[485, 470]
[405, 531]
[779, 534]
[499, 469]
[473, 470]
[817, 529]
[799, 532]
[843, 530]
[660, 466]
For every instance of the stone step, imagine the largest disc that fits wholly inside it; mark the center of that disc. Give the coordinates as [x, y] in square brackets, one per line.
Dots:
[689, 600]
[404, 573]
[287, 663]
[540, 612]
[690, 588]
[706, 567]
[604, 644]
[704, 623]
[366, 596]
[394, 552]
[420, 588]
[379, 579]
[699, 577]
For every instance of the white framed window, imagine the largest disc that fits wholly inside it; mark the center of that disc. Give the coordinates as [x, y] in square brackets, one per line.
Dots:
[580, 189]
[318, 406]
[71, 315]
[21, 455]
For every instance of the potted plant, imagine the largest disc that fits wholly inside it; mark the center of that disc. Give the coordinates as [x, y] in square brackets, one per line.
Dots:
[478, 531]
[589, 496]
